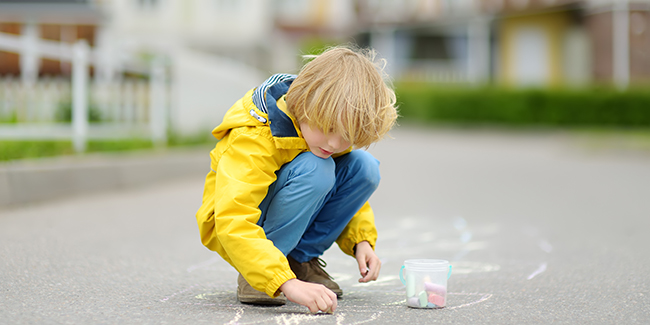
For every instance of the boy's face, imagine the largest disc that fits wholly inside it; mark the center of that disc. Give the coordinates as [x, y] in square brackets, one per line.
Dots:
[323, 145]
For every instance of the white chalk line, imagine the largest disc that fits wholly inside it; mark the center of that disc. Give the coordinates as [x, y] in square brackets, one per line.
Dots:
[544, 245]
[238, 315]
[180, 292]
[396, 303]
[539, 270]
[374, 316]
[291, 318]
[300, 318]
[485, 296]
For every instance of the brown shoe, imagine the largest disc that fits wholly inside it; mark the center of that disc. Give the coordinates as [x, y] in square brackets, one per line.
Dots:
[313, 271]
[247, 295]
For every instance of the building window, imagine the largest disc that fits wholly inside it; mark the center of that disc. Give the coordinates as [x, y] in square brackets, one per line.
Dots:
[430, 47]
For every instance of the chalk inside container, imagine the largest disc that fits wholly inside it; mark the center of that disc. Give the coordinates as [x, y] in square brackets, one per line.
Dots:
[426, 282]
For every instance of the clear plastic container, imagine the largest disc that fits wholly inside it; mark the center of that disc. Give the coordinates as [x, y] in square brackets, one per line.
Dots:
[426, 282]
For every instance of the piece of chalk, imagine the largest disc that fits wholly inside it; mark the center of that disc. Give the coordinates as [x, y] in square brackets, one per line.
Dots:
[410, 286]
[413, 302]
[436, 300]
[430, 305]
[328, 311]
[423, 299]
[435, 288]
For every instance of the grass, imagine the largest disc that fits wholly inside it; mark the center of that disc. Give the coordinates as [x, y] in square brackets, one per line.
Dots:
[11, 150]
[30, 149]
[21, 149]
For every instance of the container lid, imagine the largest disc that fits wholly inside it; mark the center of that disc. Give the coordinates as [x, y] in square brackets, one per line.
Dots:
[426, 264]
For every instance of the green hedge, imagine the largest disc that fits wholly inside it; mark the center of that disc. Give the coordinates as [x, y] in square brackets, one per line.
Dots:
[21, 149]
[531, 107]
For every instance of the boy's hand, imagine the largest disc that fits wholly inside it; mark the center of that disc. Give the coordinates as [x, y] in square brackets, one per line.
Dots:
[312, 295]
[369, 263]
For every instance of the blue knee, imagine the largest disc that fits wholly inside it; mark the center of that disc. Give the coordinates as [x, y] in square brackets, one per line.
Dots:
[314, 172]
[364, 167]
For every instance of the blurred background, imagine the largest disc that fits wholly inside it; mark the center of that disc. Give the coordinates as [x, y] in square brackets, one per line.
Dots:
[94, 75]
[492, 165]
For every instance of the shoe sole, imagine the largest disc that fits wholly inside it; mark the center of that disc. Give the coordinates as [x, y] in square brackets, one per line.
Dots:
[254, 300]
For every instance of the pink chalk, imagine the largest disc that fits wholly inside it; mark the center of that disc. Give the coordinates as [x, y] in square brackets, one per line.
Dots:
[437, 300]
[435, 288]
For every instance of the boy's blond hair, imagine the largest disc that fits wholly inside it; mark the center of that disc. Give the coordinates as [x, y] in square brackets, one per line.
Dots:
[343, 91]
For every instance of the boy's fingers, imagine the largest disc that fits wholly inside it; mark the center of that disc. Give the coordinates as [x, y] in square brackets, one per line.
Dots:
[332, 295]
[363, 268]
[334, 303]
[364, 277]
[375, 263]
[322, 304]
[364, 273]
[327, 302]
[331, 305]
[313, 307]
[375, 270]
[372, 273]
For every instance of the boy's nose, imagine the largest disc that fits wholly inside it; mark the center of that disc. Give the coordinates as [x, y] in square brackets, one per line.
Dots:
[334, 142]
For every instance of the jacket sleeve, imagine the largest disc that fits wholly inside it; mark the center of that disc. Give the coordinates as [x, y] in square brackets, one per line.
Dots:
[360, 228]
[245, 171]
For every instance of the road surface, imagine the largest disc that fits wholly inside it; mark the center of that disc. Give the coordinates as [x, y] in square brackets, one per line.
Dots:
[539, 228]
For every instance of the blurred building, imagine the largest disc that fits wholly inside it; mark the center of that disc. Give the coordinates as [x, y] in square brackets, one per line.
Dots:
[31, 33]
[217, 49]
[263, 34]
[572, 42]
[514, 42]
[529, 42]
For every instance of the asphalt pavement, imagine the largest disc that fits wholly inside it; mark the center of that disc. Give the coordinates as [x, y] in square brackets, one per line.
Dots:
[539, 227]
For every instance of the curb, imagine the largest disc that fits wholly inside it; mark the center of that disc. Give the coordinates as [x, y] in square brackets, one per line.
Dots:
[32, 181]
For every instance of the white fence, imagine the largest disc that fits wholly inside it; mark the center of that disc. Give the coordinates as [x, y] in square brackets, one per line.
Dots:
[125, 108]
[48, 103]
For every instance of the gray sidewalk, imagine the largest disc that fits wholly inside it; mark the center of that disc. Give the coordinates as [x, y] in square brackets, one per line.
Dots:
[538, 230]
[33, 181]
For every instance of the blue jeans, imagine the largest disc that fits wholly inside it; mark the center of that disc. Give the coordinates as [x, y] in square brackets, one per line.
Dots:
[313, 199]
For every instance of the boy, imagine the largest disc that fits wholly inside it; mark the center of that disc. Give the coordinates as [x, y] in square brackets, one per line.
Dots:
[285, 183]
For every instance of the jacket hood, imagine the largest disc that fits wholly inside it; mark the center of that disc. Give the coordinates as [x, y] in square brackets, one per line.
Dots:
[265, 106]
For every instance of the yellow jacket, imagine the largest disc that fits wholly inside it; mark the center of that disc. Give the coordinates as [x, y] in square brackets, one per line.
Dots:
[253, 146]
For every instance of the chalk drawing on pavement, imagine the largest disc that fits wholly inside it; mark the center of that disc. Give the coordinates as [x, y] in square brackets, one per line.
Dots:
[224, 296]
[238, 314]
[539, 270]
[467, 267]
[295, 318]
[543, 245]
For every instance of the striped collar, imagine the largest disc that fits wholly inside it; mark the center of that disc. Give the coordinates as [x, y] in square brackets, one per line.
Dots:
[259, 95]
[265, 98]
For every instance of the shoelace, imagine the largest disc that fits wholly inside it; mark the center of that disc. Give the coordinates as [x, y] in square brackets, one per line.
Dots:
[319, 264]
